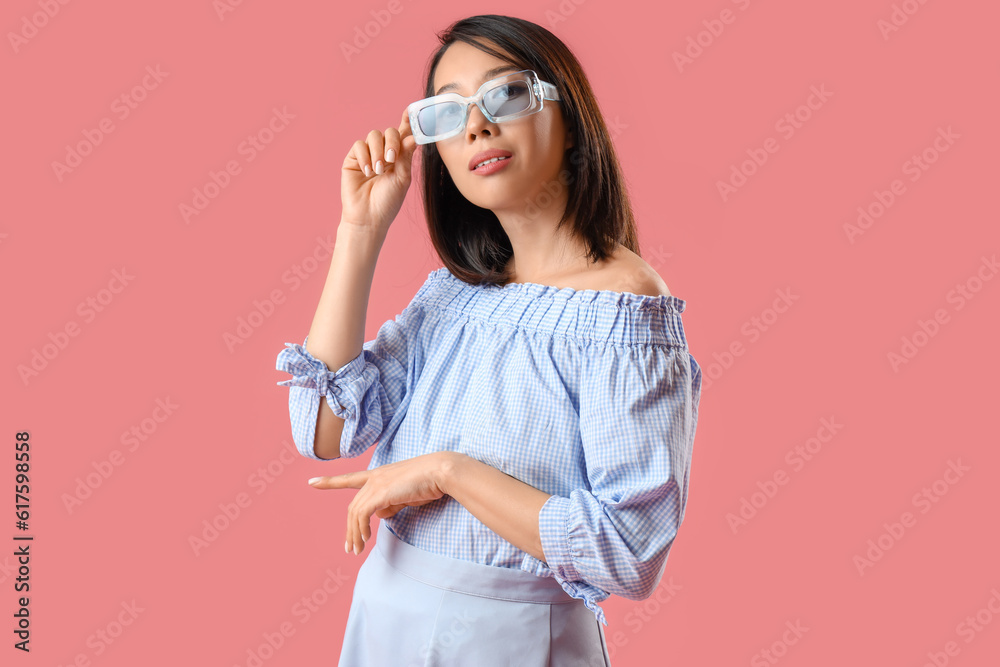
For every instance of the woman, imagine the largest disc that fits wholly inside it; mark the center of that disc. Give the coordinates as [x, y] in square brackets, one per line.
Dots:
[534, 406]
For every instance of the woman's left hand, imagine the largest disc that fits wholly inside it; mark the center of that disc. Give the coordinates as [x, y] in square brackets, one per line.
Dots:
[385, 490]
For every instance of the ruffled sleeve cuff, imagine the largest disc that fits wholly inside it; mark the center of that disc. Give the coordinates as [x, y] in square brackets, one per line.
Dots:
[344, 390]
[579, 590]
[553, 528]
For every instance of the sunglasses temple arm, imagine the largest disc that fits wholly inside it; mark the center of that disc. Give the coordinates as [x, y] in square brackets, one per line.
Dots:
[549, 91]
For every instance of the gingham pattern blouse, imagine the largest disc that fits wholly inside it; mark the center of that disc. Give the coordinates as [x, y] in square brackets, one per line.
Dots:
[590, 395]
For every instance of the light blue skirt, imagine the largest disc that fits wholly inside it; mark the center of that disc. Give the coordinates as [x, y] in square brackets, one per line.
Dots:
[415, 608]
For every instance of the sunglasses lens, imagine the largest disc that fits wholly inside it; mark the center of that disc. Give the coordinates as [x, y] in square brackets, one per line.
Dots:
[508, 98]
[440, 118]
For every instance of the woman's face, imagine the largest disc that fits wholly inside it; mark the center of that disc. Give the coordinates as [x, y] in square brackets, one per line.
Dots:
[537, 142]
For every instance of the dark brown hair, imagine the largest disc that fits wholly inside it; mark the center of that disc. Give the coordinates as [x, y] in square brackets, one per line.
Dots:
[469, 239]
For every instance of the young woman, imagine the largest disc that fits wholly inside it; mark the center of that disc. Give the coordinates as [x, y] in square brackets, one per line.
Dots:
[533, 409]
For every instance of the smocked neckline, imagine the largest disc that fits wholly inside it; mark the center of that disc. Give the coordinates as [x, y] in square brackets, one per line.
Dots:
[644, 301]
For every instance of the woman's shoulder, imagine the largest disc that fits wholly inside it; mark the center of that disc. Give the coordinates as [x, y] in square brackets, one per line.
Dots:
[624, 271]
[633, 274]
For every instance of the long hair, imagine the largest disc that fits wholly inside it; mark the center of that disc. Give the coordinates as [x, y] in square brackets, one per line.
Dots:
[469, 239]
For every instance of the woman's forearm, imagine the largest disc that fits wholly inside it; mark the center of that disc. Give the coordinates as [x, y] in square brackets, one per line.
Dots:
[337, 333]
[505, 504]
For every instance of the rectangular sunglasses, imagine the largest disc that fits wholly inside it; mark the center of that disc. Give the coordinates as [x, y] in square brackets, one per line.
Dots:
[505, 98]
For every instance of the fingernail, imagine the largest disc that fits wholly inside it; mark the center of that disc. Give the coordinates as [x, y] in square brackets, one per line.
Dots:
[357, 549]
[368, 171]
[390, 155]
[314, 480]
[347, 548]
[378, 167]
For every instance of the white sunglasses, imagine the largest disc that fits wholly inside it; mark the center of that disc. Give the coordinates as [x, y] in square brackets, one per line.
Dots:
[505, 98]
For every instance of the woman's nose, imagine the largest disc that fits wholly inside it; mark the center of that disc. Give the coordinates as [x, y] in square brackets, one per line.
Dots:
[477, 121]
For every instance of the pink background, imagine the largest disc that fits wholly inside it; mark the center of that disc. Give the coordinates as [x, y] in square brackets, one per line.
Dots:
[737, 587]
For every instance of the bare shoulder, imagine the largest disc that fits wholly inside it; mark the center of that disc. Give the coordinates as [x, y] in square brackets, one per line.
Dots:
[623, 271]
[630, 273]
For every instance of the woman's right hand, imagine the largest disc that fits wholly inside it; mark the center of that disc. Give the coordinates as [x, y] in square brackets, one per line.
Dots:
[372, 200]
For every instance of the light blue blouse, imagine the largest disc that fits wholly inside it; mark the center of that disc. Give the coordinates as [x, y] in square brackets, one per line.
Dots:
[591, 396]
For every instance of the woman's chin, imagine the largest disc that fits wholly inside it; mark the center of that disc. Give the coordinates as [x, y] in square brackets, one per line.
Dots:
[499, 199]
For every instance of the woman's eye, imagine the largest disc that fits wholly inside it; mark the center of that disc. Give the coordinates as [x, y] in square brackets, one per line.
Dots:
[512, 91]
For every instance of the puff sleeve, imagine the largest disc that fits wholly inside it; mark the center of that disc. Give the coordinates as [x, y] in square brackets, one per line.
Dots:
[638, 415]
[369, 392]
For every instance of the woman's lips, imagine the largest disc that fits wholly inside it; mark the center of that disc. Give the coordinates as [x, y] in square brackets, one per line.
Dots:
[492, 167]
[482, 156]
